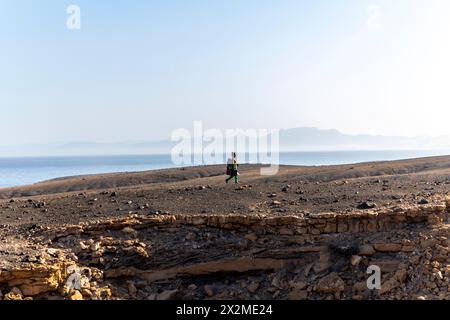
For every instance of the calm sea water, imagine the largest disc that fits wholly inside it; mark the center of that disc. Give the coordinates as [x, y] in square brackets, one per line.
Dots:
[24, 171]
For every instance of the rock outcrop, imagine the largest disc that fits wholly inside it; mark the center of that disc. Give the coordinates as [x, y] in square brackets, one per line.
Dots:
[160, 257]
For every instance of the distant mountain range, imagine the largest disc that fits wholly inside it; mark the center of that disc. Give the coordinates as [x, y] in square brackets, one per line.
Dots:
[316, 139]
[297, 139]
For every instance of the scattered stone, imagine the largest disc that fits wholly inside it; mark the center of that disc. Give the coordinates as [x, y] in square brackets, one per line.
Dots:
[208, 290]
[394, 282]
[360, 286]
[299, 285]
[132, 290]
[367, 205]
[253, 287]
[192, 287]
[191, 236]
[52, 252]
[76, 295]
[297, 294]
[14, 294]
[167, 295]
[95, 246]
[130, 231]
[366, 250]
[251, 237]
[355, 260]
[332, 283]
[415, 260]
[321, 267]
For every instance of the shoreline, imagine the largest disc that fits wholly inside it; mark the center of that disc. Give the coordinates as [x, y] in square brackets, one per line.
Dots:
[22, 172]
[193, 167]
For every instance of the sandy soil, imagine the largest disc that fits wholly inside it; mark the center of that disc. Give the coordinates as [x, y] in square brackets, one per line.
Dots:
[294, 190]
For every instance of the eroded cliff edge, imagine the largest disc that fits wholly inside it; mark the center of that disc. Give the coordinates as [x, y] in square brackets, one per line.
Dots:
[235, 256]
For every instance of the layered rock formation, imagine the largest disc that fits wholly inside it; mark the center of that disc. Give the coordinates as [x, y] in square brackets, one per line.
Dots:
[253, 256]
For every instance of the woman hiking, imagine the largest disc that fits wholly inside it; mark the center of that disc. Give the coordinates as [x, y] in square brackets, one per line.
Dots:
[232, 169]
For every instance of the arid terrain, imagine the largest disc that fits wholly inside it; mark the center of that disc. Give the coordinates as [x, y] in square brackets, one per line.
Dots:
[305, 233]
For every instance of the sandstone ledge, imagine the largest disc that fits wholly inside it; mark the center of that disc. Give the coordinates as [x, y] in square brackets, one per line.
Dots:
[385, 219]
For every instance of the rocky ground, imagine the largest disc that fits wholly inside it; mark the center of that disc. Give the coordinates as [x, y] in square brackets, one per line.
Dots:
[306, 233]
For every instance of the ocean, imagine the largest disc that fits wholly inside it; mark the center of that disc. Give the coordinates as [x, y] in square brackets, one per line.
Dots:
[29, 170]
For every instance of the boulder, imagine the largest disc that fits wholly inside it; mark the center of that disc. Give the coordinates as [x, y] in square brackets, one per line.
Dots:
[366, 205]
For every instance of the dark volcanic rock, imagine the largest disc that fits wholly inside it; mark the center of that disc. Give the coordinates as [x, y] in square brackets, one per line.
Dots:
[366, 205]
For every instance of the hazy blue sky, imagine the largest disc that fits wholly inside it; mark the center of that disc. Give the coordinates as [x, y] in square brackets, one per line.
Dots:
[139, 69]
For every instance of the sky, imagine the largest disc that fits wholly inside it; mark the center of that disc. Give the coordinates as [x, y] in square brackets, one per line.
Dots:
[137, 70]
